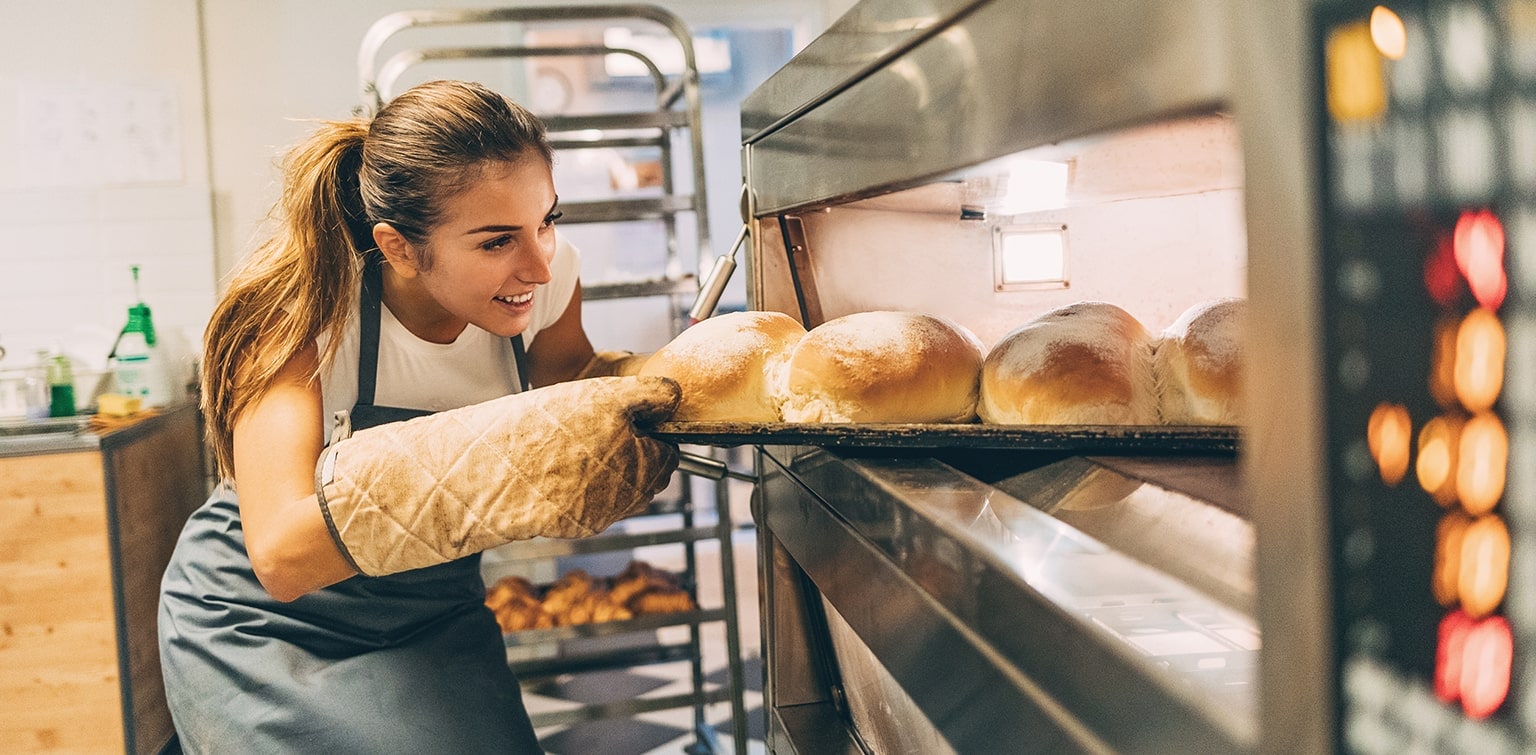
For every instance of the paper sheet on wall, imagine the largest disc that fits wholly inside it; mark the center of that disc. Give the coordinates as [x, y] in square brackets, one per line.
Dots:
[98, 134]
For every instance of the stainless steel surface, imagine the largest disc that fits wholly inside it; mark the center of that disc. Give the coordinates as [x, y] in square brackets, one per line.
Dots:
[1003, 77]
[1004, 624]
[710, 469]
[872, 137]
[862, 39]
[714, 283]
[23, 437]
[1284, 469]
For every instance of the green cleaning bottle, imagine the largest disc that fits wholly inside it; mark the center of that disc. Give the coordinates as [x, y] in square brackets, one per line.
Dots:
[137, 366]
[61, 386]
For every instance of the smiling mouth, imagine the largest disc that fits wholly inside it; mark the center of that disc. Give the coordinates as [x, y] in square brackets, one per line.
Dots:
[520, 299]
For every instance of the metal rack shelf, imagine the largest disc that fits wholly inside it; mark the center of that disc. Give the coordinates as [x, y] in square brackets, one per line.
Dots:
[677, 110]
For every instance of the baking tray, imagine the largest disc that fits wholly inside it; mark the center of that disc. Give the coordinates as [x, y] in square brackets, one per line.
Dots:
[1077, 438]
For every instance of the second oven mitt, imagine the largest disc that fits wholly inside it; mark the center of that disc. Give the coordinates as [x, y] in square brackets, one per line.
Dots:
[563, 461]
[611, 363]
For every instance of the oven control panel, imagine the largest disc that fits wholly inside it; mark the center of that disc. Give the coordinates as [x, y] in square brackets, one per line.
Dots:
[1427, 173]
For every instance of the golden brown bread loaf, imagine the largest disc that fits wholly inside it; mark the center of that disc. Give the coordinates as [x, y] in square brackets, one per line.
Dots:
[883, 366]
[725, 366]
[1088, 363]
[1198, 365]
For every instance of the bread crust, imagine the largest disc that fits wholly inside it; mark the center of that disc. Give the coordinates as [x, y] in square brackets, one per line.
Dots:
[1088, 363]
[727, 365]
[884, 366]
[1199, 365]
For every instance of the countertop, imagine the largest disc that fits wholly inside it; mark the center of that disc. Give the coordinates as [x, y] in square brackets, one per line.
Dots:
[79, 433]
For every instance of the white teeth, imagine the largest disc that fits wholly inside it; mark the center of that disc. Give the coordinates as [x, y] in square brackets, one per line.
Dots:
[522, 299]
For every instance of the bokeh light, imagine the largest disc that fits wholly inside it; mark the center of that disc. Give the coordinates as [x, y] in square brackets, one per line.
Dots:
[1388, 33]
[1482, 458]
[1389, 435]
[1484, 572]
[1479, 372]
[1439, 443]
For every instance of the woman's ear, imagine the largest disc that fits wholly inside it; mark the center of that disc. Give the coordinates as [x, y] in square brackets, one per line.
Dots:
[398, 252]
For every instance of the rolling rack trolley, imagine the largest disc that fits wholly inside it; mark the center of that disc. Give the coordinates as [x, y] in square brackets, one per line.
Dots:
[676, 109]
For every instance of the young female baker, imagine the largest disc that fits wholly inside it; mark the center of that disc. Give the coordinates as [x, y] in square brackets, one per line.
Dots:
[362, 394]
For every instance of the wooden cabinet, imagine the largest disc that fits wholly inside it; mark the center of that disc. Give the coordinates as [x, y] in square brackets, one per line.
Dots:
[86, 530]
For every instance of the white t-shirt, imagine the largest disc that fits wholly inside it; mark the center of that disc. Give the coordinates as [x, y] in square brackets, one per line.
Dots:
[477, 366]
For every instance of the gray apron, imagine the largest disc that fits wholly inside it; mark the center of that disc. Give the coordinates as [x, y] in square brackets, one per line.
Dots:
[407, 663]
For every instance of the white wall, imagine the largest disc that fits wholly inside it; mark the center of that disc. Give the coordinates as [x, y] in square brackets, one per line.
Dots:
[103, 163]
[242, 77]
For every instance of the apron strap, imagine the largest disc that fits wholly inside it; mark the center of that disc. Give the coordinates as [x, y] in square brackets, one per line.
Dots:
[368, 344]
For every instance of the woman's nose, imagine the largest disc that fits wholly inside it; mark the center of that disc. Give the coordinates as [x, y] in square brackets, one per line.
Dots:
[533, 267]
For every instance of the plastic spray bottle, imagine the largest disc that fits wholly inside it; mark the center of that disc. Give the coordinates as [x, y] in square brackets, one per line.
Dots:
[137, 366]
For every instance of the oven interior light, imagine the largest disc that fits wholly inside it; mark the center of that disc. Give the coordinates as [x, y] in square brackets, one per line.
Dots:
[1390, 436]
[1388, 33]
[1478, 374]
[1482, 457]
[1035, 185]
[1479, 250]
[1031, 256]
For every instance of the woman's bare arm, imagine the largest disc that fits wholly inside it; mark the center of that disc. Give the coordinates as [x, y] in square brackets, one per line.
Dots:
[277, 441]
[562, 349]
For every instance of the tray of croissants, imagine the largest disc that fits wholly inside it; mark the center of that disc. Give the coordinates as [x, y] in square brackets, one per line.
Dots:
[1081, 377]
[580, 598]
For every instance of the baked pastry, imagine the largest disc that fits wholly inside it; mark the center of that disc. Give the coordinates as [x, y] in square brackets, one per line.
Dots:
[1088, 363]
[883, 366]
[1198, 364]
[726, 364]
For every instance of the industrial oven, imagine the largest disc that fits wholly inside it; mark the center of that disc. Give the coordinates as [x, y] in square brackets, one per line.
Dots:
[1336, 573]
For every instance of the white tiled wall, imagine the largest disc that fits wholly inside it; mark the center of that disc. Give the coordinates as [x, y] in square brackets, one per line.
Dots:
[65, 257]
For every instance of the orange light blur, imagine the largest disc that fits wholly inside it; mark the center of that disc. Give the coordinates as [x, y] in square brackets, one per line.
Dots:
[1447, 575]
[1354, 82]
[1442, 368]
[1482, 458]
[1436, 467]
[1390, 437]
[1388, 33]
[1478, 244]
[1479, 371]
[1484, 572]
[1487, 658]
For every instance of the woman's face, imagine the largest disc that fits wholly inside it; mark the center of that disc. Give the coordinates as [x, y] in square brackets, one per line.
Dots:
[494, 246]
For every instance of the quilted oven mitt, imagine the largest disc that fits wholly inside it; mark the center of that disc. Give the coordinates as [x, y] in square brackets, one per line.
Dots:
[611, 363]
[562, 461]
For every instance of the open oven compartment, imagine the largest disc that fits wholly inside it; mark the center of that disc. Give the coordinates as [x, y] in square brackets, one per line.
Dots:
[988, 162]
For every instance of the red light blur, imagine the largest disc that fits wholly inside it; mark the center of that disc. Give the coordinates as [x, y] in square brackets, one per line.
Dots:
[1441, 278]
[1488, 657]
[1479, 252]
[1449, 655]
[1473, 663]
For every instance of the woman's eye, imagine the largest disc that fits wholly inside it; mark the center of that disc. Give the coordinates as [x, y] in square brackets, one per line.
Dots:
[497, 243]
[552, 217]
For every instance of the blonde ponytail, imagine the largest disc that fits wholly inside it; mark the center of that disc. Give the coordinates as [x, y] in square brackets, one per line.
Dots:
[299, 284]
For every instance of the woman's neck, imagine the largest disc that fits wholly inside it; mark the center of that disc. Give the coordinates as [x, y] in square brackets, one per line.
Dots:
[418, 311]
